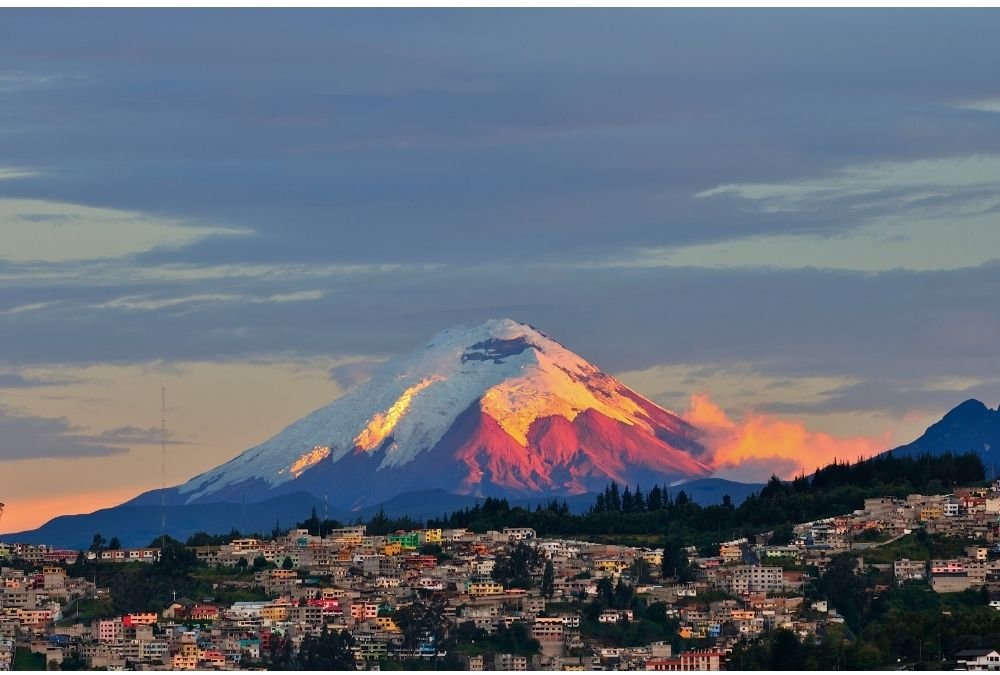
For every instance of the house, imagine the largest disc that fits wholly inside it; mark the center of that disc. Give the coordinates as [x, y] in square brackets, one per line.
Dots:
[978, 659]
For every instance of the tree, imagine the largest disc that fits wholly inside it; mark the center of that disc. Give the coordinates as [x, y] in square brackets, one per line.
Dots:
[627, 500]
[614, 499]
[174, 556]
[605, 592]
[259, 563]
[97, 545]
[640, 571]
[638, 501]
[287, 564]
[786, 651]
[622, 595]
[329, 651]
[280, 652]
[654, 502]
[782, 535]
[423, 626]
[242, 564]
[114, 544]
[514, 568]
[548, 580]
[675, 562]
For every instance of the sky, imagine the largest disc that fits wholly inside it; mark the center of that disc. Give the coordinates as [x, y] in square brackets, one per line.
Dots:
[780, 222]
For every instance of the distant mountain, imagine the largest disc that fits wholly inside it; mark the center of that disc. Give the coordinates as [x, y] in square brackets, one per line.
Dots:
[499, 409]
[436, 503]
[137, 525]
[708, 491]
[969, 427]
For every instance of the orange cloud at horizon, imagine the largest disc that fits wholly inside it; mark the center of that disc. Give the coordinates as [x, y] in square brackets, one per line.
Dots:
[785, 447]
[27, 514]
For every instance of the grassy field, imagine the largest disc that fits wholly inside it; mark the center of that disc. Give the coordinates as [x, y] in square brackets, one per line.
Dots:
[638, 540]
[25, 660]
[85, 611]
[912, 547]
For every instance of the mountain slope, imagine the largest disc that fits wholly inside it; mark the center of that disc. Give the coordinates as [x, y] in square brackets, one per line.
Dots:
[137, 524]
[968, 427]
[497, 409]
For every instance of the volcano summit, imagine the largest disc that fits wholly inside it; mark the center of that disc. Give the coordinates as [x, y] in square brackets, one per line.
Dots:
[500, 409]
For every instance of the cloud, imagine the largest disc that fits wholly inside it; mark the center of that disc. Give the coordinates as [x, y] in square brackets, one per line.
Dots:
[12, 380]
[30, 307]
[768, 444]
[349, 375]
[928, 214]
[130, 435]
[12, 174]
[971, 178]
[148, 303]
[898, 396]
[27, 437]
[990, 105]
[24, 436]
[33, 230]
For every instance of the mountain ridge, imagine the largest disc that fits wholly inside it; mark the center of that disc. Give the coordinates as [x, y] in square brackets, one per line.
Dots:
[138, 522]
[971, 426]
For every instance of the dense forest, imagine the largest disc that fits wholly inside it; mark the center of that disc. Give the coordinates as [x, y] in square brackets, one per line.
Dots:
[836, 489]
[906, 626]
[631, 514]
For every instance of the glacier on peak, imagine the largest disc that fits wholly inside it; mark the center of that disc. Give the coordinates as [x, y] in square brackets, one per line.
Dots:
[516, 373]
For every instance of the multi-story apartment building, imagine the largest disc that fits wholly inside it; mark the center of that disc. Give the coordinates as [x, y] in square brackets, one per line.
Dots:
[484, 588]
[686, 661]
[909, 570]
[548, 629]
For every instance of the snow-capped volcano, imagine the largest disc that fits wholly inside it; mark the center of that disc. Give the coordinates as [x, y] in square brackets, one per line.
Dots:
[500, 408]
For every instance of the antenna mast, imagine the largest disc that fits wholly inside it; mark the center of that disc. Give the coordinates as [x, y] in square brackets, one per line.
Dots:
[163, 469]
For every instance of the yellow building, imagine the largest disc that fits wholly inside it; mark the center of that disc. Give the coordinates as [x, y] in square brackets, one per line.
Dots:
[485, 588]
[392, 548]
[386, 623]
[274, 612]
[654, 558]
[931, 513]
[347, 536]
[612, 565]
[432, 536]
[730, 552]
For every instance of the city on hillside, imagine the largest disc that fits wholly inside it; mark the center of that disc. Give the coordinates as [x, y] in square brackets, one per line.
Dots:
[833, 592]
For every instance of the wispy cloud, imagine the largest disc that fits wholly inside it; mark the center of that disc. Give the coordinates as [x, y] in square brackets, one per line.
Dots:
[31, 437]
[150, 303]
[960, 185]
[29, 307]
[130, 435]
[34, 230]
[925, 215]
[991, 105]
[7, 173]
